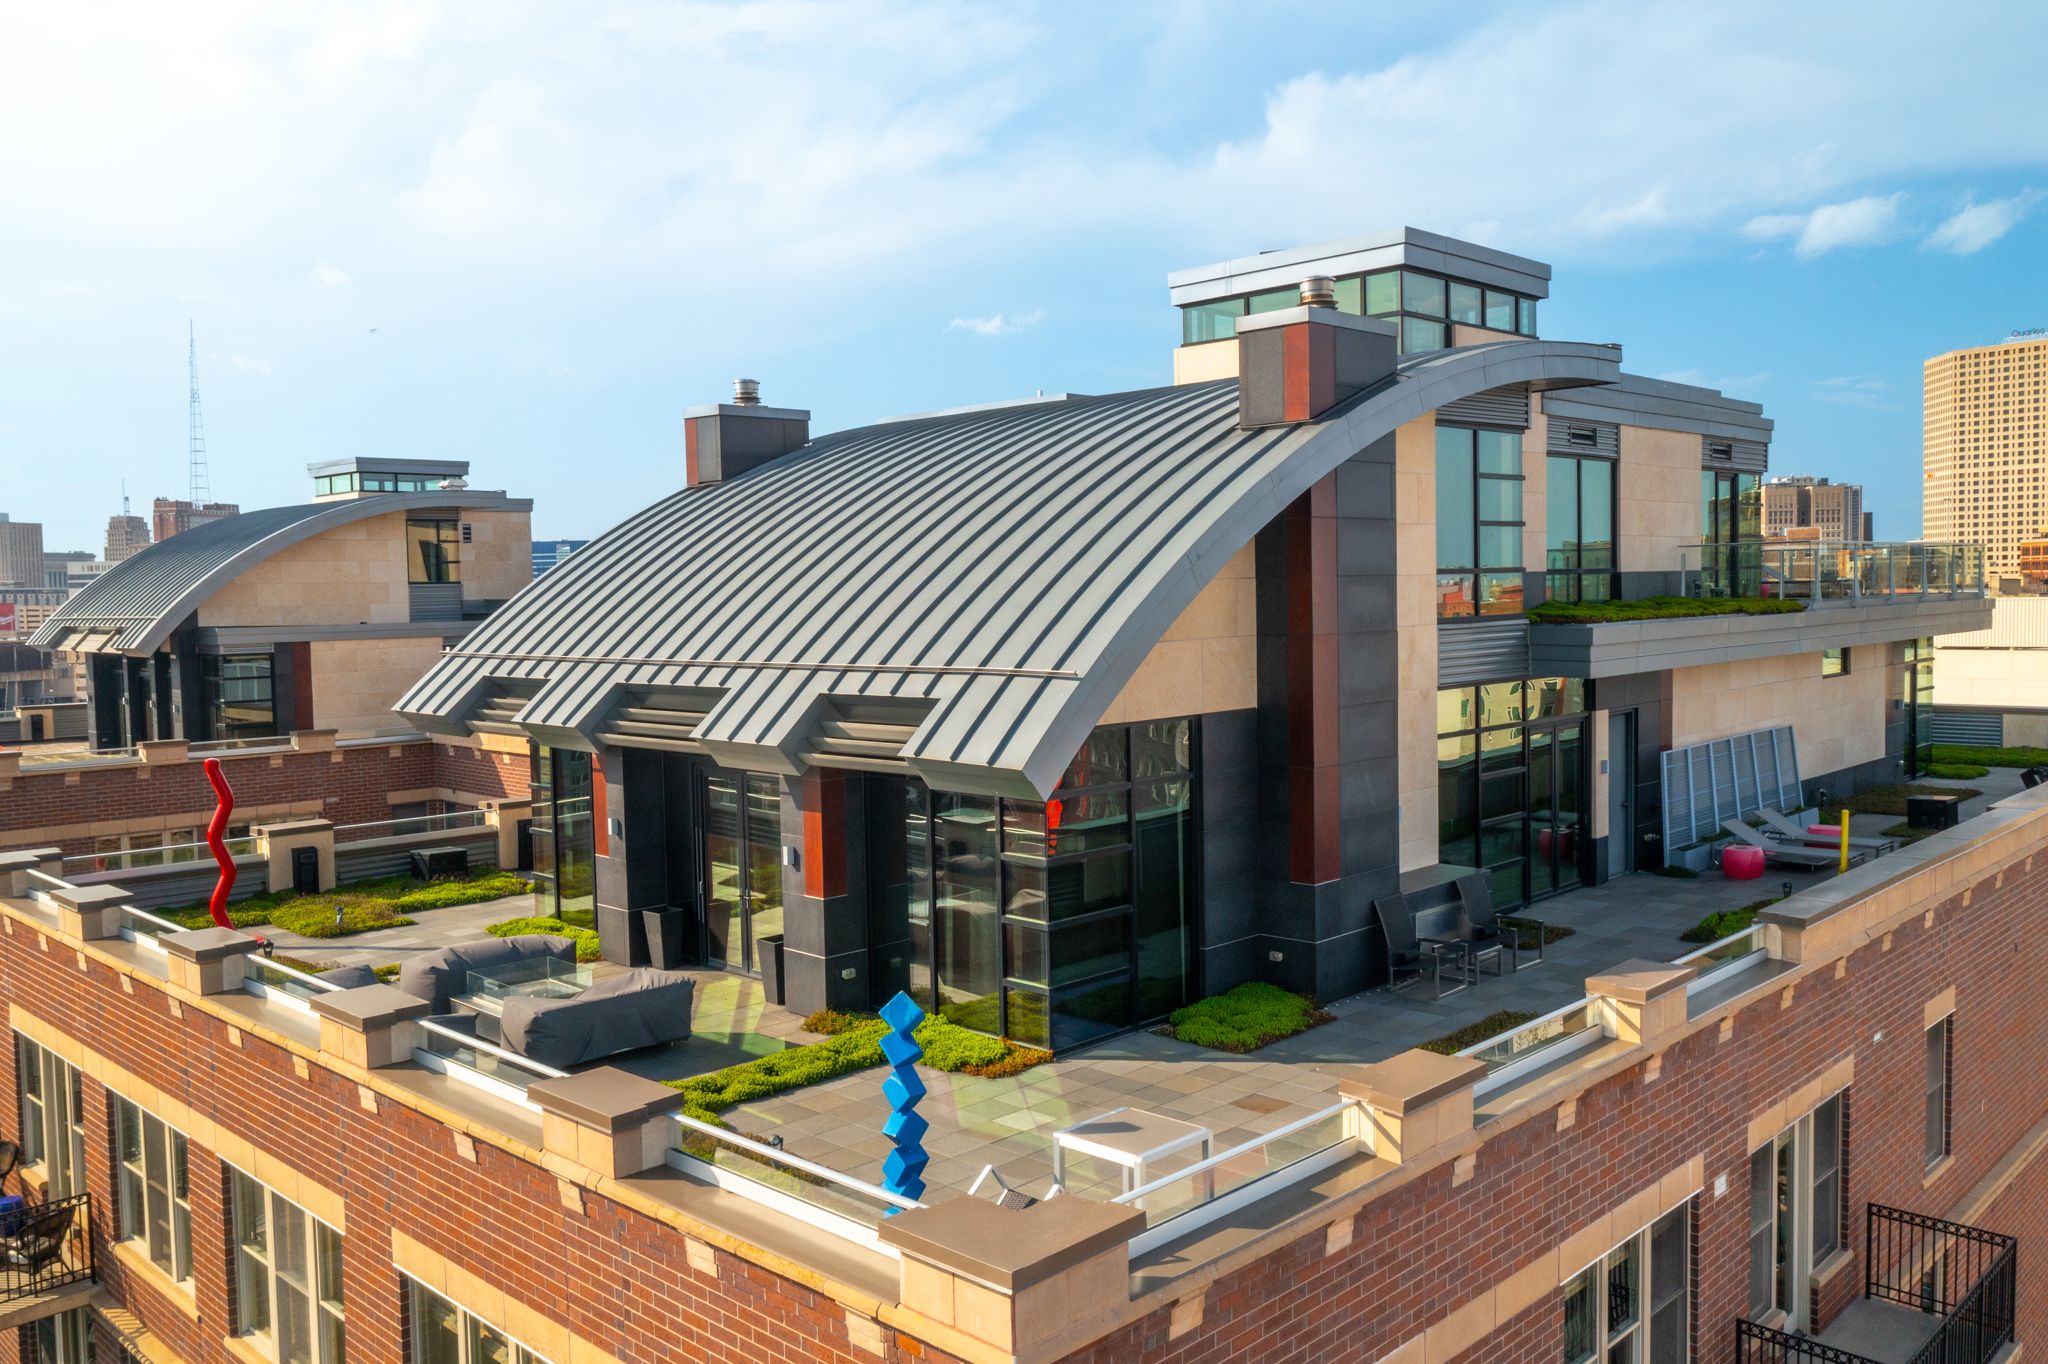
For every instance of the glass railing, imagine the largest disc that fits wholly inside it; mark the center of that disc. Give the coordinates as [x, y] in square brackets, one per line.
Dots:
[1174, 1203]
[415, 824]
[1545, 1036]
[163, 855]
[275, 978]
[144, 927]
[754, 1168]
[444, 1045]
[1714, 959]
[1832, 570]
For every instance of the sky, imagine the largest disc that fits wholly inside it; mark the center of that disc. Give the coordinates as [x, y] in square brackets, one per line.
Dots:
[531, 234]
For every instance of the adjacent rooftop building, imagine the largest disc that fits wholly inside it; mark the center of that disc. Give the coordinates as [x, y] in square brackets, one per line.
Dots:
[126, 535]
[176, 516]
[1830, 511]
[21, 553]
[1986, 447]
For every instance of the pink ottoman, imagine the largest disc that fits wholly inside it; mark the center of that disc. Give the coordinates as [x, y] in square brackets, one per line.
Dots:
[1740, 863]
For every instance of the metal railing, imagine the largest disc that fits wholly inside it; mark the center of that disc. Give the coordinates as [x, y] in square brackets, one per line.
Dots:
[1965, 1275]
[1718, 960]
[1756, 1344]
[139, 925]
[163, 855]
[1185, 1201]
[1817, 571]
[413, 824]
[829, 1199]
[1540, 1041]
[287, 984]
[48, 1246]
[467, 1057]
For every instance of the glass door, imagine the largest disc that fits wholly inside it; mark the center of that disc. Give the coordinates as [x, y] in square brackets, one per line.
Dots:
[1917, 684]
[742, 827]
[1556, 808]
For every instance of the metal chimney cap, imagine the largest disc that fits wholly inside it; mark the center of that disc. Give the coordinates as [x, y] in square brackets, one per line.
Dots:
[1319, 291]
[746, 392]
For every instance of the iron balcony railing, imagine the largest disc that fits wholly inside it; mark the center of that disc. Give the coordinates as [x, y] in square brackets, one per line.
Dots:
[1826, 571]
[45, 1247]
[1966, 1277]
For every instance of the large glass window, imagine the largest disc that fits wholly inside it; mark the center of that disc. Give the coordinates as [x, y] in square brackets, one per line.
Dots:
[433, 552]
[1796, 1211]
[1479, 522]
[564, 835]
[1731, 524]
[1579, 528]
[443, 1333]
[240, 695]
[1421, 305]
[287, 1277]
[1216, 321]
[52, 1096]
[1936, 1092]
[1631, 1305]
[153, 1190]
[1510, 787]
[1058, 922]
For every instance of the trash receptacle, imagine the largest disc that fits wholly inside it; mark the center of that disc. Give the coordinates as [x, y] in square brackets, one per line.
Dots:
[771, 967]
[1934, 812]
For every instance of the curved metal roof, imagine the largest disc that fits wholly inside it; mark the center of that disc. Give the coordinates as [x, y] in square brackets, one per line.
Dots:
[134, 606]
[1005, 570]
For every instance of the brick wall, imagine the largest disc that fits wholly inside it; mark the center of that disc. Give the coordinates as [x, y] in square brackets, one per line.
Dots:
[614, 1276]
[1421, 1251]
[349, 785]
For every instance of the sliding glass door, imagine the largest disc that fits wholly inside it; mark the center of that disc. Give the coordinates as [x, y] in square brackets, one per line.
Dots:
[742, 833]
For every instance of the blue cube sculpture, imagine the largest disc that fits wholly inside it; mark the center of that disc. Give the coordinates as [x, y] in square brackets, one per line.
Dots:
[903, 1171]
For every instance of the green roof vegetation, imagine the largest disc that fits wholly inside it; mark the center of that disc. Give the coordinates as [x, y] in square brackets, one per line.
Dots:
[1493, 1025]
[1246, 1018]
[386, 902]
[1657, 608]
[1990, 757]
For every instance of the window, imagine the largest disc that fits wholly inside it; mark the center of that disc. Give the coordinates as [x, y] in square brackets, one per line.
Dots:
[1273, 300]
[1579, 538]
[431, 552]
[66, 1339]
[1834, 662]
[1500, 311]
[1614, 1312]
[443, 1333]
[287, 1277]
[52, 1117]
[1511, 783]
[153, 1189]
[1383, 293]
[240, 695]
[1422, 294]
[1939, 1055]
[1478, 522]
[1796, 1211]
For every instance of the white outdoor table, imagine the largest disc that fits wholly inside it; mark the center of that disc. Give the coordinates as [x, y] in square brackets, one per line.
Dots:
[1131, 1139]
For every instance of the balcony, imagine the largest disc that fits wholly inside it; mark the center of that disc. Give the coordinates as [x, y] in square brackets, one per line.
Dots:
[1850, 594]
[1934, 1292]
[46, 1262]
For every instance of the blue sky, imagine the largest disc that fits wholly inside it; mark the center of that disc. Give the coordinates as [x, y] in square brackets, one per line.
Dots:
[530, 234]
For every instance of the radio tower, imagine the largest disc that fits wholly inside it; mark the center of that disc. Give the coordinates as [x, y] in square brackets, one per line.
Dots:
[197, 489]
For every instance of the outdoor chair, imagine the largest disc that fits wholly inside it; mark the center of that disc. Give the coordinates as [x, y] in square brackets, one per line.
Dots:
[37, 1240]
[1410, 956]
[1490, 935]
[1785, 828]
[1797, 855]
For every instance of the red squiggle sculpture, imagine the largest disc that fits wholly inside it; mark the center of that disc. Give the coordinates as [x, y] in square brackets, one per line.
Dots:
[214, 829]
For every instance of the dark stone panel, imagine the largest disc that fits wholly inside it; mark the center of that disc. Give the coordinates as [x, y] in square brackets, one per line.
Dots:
[1369, 730]
[1365, 544]
[1228, 787]
[828, 927]
[1230, 964]
[1365, 604]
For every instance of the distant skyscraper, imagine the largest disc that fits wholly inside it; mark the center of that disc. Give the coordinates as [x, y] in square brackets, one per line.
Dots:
[21, 553]
[548, 553]
[126, 535]
[1986, 448]
[171, 517]
[1835, 510]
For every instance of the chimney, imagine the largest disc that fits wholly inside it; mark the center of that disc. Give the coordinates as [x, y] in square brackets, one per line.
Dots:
[1297, 363]
[721, 441]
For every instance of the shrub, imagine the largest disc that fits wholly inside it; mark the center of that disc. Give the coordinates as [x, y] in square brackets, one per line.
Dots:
[1658, 608]
[1724, 923]
[1246, 1018]
[1018, 1061]
[1990, 757]
[382, 902]
[1493, 1025]
[1956, 771]
[586, 940]
[447, 894]
[1891, 799]
[948, 1046]
[832, 1022]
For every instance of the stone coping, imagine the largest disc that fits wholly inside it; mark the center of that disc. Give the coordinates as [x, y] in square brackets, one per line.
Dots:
[295, 826]
[209, 944]
[28, 859]
[1639, 982]
[1410, 1080]
[369, 1006]
[98, 896]
[606, 1098]
[1011, 1248]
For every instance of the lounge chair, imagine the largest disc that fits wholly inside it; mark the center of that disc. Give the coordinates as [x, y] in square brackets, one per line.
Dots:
[1412, 956]
[1792, 854]
[1786, 829]
[1490, 935]
[35, 1242]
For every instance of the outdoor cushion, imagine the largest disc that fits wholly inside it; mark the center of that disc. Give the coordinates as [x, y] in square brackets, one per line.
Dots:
[438, 977]
[638, 1008]
[349, 977]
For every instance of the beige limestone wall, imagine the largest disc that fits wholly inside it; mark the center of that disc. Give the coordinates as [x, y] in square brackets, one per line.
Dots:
[357, 681]
[2014, 678]
[1837, 721]
[1535, 485]
[349, 575]
[1210, 360]
[1658, 488]
[1415, 635]
[1208, 658]
[498, 560]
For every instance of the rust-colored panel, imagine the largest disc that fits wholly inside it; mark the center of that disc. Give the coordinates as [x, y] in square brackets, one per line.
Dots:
[824, 804]
[600, 826]
[690, 451]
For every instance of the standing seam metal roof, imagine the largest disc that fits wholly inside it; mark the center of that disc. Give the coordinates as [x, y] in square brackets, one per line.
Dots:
[1010, 568]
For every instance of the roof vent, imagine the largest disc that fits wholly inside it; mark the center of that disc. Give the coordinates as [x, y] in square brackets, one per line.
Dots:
[453, 485]
[746, 392]
[1319, 291]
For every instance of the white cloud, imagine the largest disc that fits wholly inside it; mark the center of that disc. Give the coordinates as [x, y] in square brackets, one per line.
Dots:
[1736, 384]
[250, 365]
[327, 277]
[997, 324]
[1858, 222]
[1854, 390]
[1975, 226]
